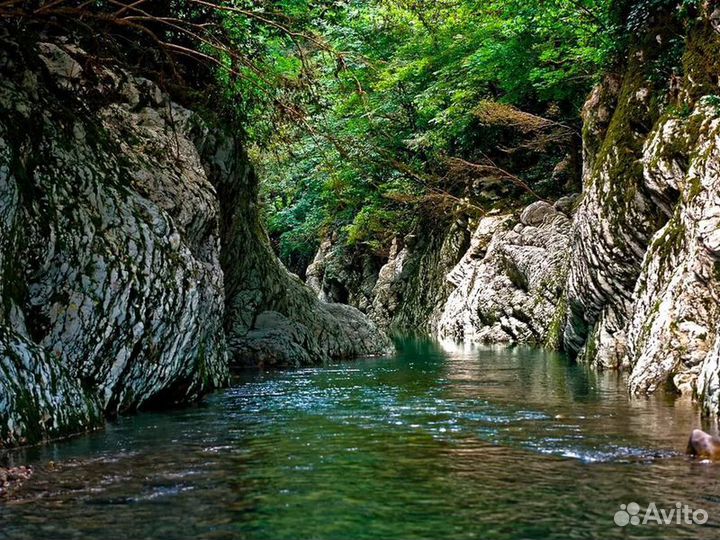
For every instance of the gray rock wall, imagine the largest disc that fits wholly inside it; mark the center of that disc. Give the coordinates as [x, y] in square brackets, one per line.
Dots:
[613, 223]
[412, 287]
[643, 285]
[272, 318]
[134, 265]
[112, 295]
[509, 284]
[344, 275]
[502, 284]
[673, 330]
[631, 281]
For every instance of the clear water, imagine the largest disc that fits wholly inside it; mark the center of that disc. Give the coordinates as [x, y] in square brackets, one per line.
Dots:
[476, 443]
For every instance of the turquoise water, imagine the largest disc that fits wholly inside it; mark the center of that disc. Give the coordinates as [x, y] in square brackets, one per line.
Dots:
[431, 443]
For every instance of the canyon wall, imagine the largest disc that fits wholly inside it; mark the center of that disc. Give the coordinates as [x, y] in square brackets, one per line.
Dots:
[135, 270]
[625, 276]
[499, 278]
[643, 281]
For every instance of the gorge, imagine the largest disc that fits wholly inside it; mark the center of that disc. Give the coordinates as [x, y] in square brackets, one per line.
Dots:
[121, 287]
[623, 275]
[545, 286]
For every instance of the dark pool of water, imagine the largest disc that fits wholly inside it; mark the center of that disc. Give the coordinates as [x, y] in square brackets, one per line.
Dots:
[475, 443]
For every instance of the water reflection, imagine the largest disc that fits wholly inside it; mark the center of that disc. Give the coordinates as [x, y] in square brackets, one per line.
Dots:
[438, 441]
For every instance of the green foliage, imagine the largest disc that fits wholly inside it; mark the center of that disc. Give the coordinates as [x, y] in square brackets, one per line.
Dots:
[713, 101]
[369, 224]
[399, 101]
[267, 80]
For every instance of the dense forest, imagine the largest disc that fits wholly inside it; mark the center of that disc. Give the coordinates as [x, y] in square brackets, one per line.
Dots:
[438, 107]
[434, 108]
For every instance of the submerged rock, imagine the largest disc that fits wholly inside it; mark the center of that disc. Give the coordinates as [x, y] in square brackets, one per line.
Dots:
[12, 478]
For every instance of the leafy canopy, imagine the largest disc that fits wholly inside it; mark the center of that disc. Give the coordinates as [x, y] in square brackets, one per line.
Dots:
[400, 98]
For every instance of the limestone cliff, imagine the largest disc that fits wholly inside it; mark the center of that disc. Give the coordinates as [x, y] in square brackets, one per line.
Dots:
[404, 294]
[112, 293]
[509, 284]
[643, 283]
[625, 277]
[131, 251]
[271, 317]
[496, 279]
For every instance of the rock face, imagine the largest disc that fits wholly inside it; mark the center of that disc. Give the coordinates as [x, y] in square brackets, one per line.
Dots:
[407, 293]
[509, 284]
[113, 295]
[612, 225]
[632, 280]
[674, 324]
[343, 276]
[412, 287]
[271, 317]
[122, 272]
[643, 282]
[12, 478]
[503, 285]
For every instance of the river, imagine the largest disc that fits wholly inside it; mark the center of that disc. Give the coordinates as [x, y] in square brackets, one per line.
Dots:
[435, 442]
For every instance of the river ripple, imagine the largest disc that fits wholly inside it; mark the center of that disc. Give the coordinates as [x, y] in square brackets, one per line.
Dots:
[434, 442]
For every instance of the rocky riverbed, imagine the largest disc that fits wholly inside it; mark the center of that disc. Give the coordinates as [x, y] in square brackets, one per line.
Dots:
[12, 477]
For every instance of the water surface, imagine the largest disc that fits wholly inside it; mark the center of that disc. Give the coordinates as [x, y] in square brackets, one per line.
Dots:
[431, 443]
